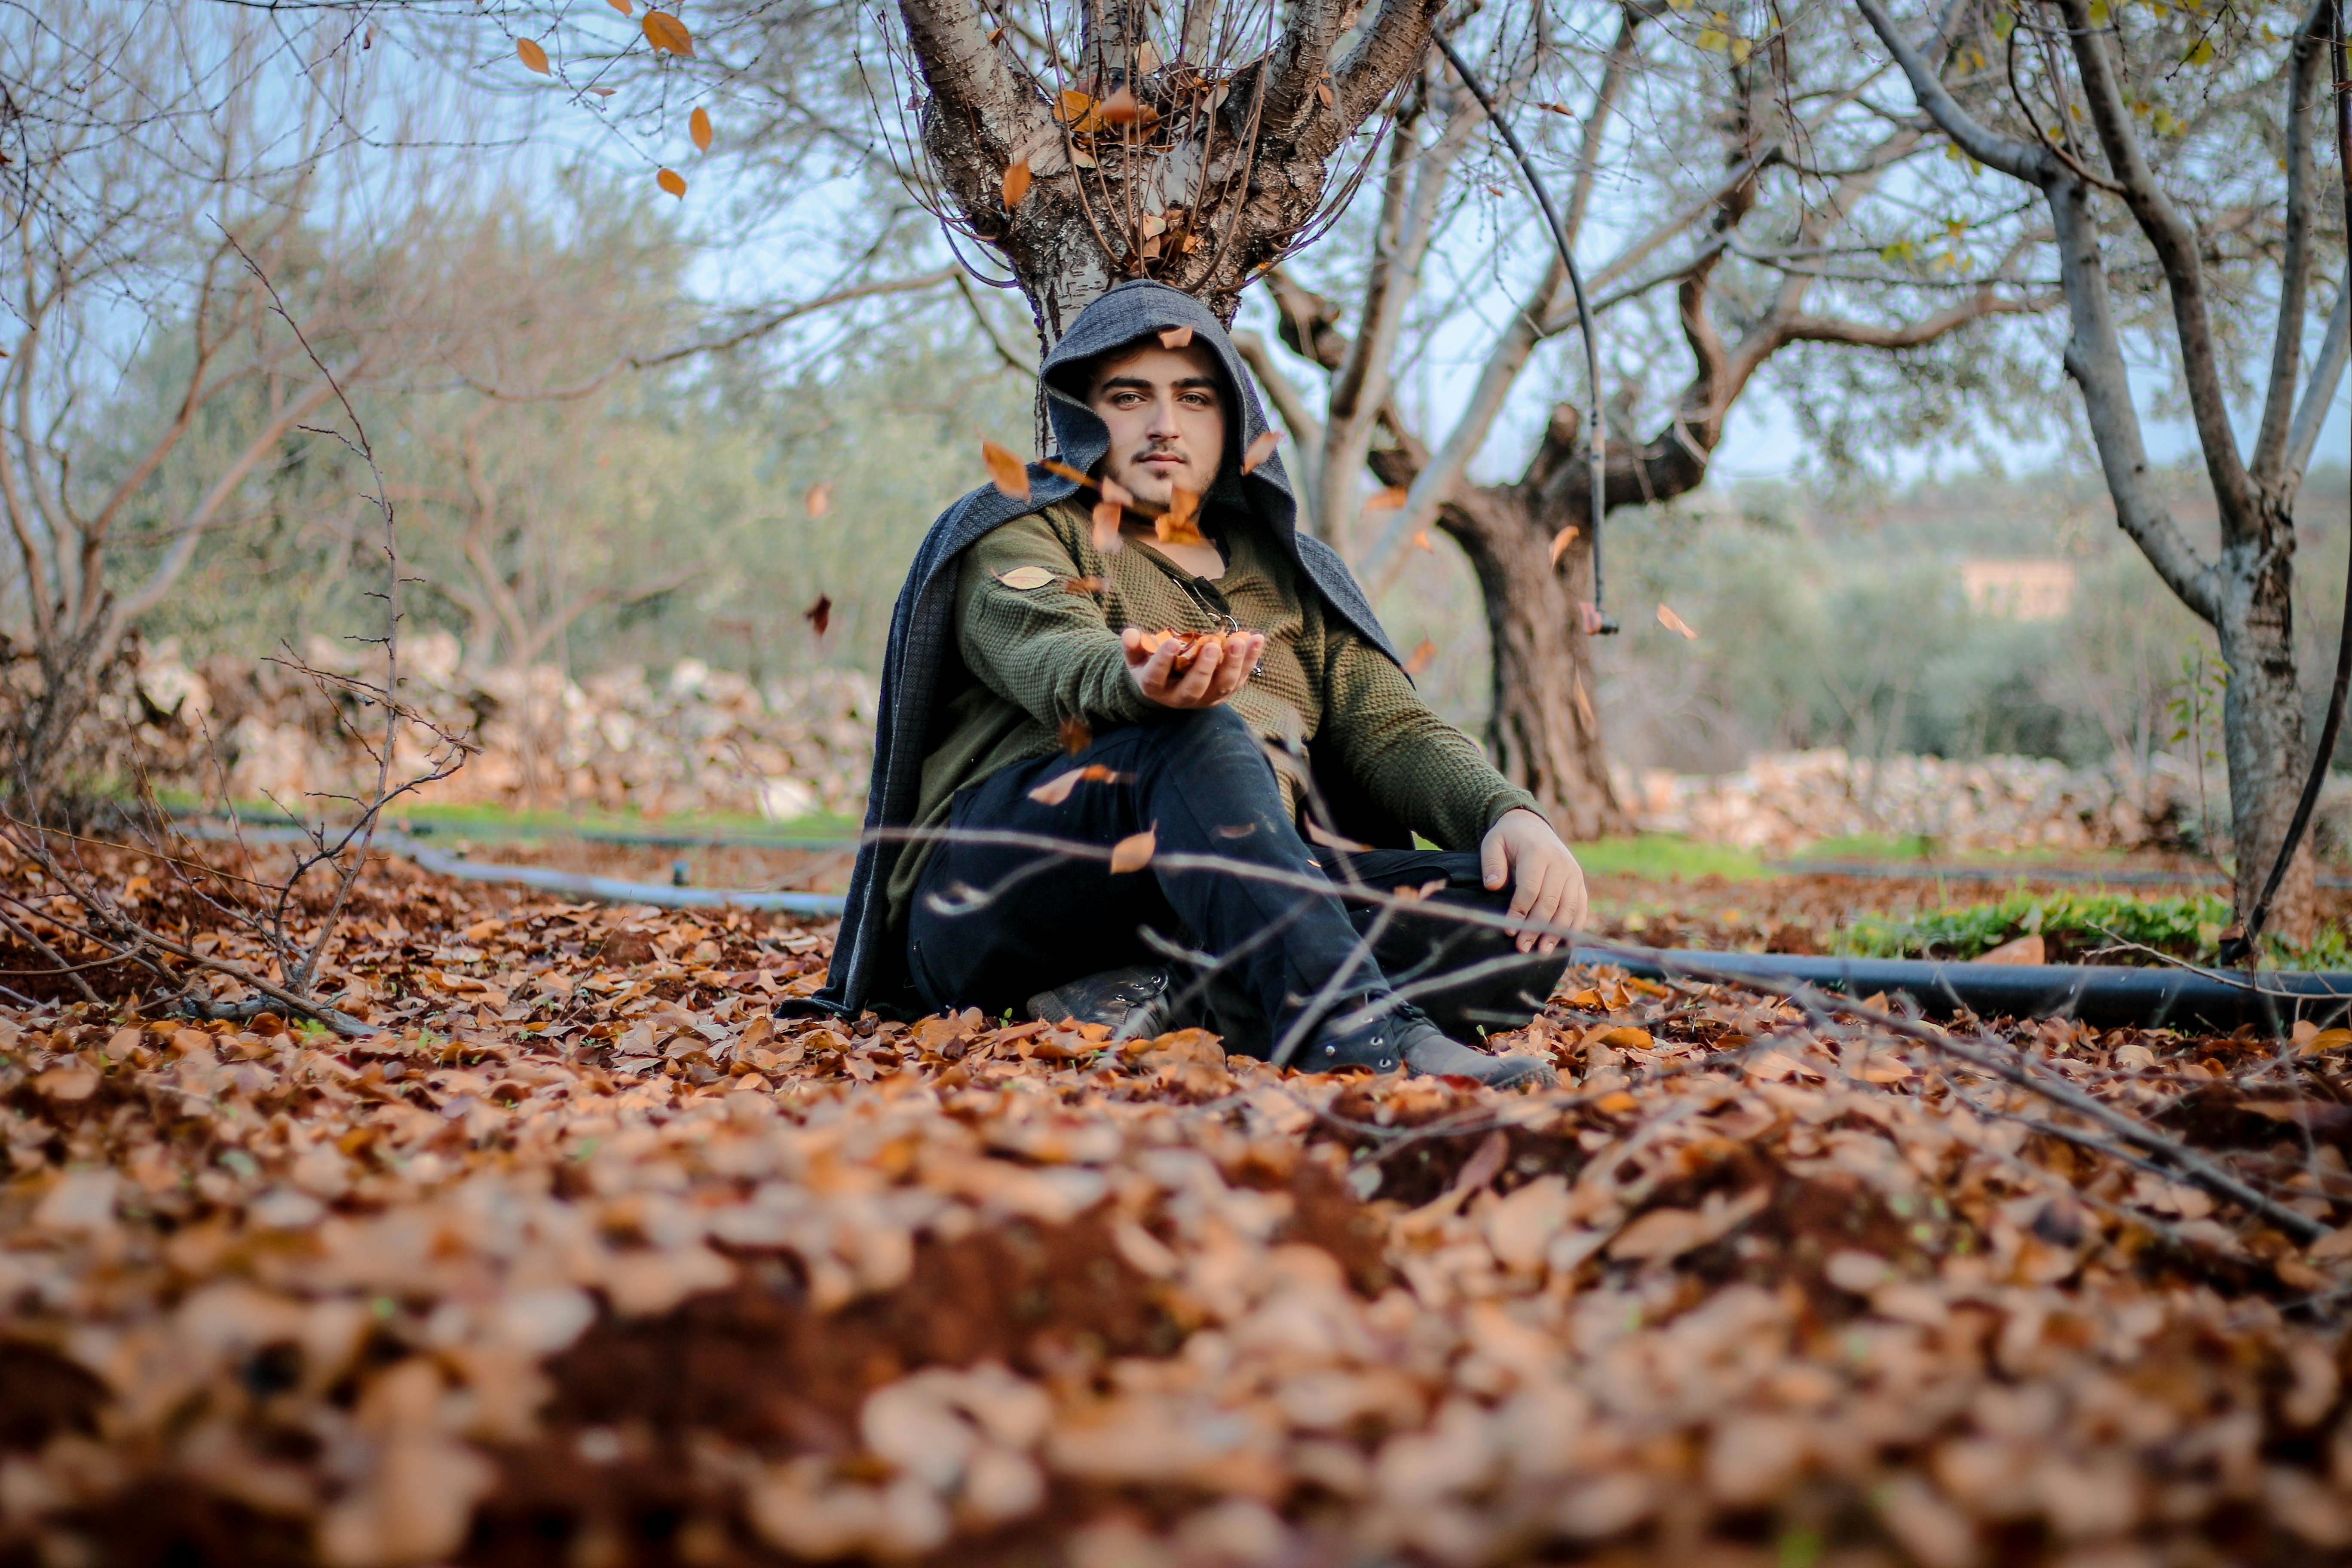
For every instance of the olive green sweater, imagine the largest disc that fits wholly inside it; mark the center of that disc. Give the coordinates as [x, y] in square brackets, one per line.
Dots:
[1040, 639]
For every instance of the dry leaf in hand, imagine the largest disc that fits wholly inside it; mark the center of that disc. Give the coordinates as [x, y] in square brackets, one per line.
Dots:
[1009, 473]
[1056, 790]
[1264, 446]
[663, 31]
[1075, 735]
[1561, 541]
[698, 125]
[1674, 623]
[532, 55]
[1107, 515]
[671, 181]
[1422, 657]
[819, 615]
[1175, 337]
[1177, 525]
[1134, 852]
[819, 500]
[1016, 182]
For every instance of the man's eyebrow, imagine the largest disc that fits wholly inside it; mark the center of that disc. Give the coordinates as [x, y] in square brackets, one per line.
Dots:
[1141, 385]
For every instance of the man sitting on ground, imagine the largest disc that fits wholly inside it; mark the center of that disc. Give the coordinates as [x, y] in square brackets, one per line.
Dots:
[1030, 701]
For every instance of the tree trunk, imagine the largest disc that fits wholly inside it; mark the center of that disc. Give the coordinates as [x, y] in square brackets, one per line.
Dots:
[1543, 728]
[2263, 730]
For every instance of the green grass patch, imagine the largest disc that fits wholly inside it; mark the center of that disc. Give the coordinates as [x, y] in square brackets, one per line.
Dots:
[1869, 846]
[2073, 925]
[1667, 855]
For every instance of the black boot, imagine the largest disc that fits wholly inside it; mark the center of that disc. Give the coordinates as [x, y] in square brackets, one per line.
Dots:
[1404, 1036]
[1135, 1003]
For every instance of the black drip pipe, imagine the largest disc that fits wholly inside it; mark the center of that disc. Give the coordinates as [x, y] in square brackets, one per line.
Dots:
[1594, 441]
[2106, 996]
[2239, 947]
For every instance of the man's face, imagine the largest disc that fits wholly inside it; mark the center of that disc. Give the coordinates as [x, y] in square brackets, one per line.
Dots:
[1167, 419]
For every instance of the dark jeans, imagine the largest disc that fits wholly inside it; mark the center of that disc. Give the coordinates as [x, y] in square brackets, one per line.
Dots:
[993, 924]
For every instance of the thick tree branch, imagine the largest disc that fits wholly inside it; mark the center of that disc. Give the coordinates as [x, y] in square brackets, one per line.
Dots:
[2319, 393]
[2294, 260]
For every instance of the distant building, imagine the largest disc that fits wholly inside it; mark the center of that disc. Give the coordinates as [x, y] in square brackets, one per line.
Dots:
[2019, 589]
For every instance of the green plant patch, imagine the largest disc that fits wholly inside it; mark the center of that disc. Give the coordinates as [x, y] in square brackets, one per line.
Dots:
[2078, 928]
[1667, 857]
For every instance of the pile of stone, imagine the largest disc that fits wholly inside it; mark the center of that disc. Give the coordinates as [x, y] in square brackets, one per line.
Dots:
[1783, 801]
[692, 740]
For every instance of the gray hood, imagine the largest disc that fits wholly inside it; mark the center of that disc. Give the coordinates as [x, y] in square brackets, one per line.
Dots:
[867, 964]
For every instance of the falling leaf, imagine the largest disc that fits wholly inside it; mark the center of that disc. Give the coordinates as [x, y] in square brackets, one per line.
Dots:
[1134, 852]
[1422, 657]
[1056, 790]
[698, 125]
[1061, 469]
[666, 32]
[624, 6]
[1114, 493]
[1070, 106]
[603, 92]
[1177, 525]
[671, 181]
[1175, 337]
[1387, 499]
[1082, 585]
[1106, 518]
[1009, 473]
[819, 500]
[1016, 182]
[1561, 541]
[532, 55]
[1323, 92]
[1075, 735]
[1260, 449]
[1122, 108]
[1674, 623]
[819, 615]
[1421, 541]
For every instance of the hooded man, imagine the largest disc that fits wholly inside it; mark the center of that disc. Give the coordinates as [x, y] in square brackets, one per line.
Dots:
[1030, 701]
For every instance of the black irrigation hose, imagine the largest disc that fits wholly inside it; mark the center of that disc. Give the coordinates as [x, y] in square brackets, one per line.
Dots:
[1594, 441]
[2239, 949]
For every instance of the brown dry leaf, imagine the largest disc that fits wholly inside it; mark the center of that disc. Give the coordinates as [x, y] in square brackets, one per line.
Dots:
[666, 33]
[2326, 1040]
[1016, 182]
[2026, 949]
[1389, 498]
[671, 180]
[1674, 623]
[1178, 524]
[532, 55]
[1071, 106]
[819, 616]
[1056, 790]
[1561, 541]
[1075, 735]
[697, 126]
[1007, 472]
[1088, 585]
[1323, 93]
[1107, 517]
[1176, 338]
[819, 500]
[1422, 657]
[1134, 852]
[624, 6]
[1121, 108]
[1267, 443]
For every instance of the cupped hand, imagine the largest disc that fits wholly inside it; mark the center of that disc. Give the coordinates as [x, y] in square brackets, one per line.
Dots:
[1216, 674]
[1547, 884]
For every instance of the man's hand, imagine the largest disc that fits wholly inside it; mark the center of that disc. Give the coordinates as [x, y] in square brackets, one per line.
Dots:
[1217, 673]
[1547, 885]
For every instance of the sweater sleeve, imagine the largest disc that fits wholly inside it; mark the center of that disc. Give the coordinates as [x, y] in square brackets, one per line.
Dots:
[1032, 641]
[1422, 769]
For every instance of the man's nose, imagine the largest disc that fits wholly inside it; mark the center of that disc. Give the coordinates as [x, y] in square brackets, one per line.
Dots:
[1163, 417]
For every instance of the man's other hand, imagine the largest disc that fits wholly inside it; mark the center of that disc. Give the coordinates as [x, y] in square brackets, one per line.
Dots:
[1547, 884]
[1223, 664]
